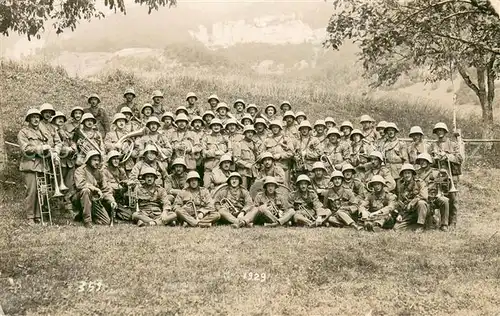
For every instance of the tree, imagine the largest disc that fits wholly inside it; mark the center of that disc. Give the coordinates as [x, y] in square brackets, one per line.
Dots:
[27, 17]
[444, 36]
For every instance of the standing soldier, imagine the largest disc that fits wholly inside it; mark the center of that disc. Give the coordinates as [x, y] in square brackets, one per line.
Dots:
[234, 204]
[281, 147]
[176, 181]
[352, 183]
[346, 128]
[74, 122]
[285, 107]
[147, 111]
[360, 149]
[214, 146]
[395, 153]
[213, 100]
[207, 117]
[93, 191]
[337, 151]
[272, 205]
[218, 175]
[157, 106]
[116, 179]
[71, 127]
[320, 182]
[155, 138]
[231, 130]
[261, 131]
[271, 113]
[34, 144]
[198, 132]
[375, 167]
[168, 124]
[100, 115]
[380, 128]
[330, 123]
[269, 168]
[320, 130]
[149, 160]
[192, 107]
[246, 119]
[194, 205]
[377, 207]
[341, 202]
[153, 205]
[308, 147]
[290, 129]
[412, 200]
[252, 110]
[300, 117]
[46, 126]
[222, 112]
[308, 208]
[239, 106]
[185, 143]
[129, 96]
[418, 145]
[87, 138]
[370, 135]
[446, 154]
[134, 123]
[111, 141]
[245, 155]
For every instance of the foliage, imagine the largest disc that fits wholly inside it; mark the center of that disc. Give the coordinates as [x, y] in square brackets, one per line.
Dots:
[28, 17]
[442, 36]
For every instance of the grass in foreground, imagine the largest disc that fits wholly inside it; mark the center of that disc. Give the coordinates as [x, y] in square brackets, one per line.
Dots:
[176, 271]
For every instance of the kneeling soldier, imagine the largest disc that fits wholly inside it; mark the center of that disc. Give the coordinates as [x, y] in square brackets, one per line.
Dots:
[377, 208]
[116, 178]
[412, 199]
[272, 205]
[234, 204]
[341, 202]
[308, 208]
[152, 204]
[194, 205]
[92, 190]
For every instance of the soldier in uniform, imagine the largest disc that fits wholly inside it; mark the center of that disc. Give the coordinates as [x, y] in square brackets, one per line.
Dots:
[438, 182]
[346, 128]
[87, 137]
[219, 174]
[285, 107]
[213, 100]
[380, 128]
[290, 129]
[377, 207]
[252, 110]
[134, 123]
[308, 147]
[395, 152]
[412, 200]
[320, 130]
[157, 106]
[176, 181]
[157, 139]
[268, 168]
[272, 205]
[147, 111]
[300, 117]
[245, 155]
[337, 151]
[261, 131]
[49, 129]
[214, 146]
[194, 205]
[271, 113]
[330, 123]
[231, 131]
[74, 120]
[149, 160]
[111, 141]
[239, 106]
[246, 119]
[168, 124]
[375, 167]
[93, 196]
[185, 143]
[351, 182]
[153, 206]
[281, 147]
[342, 203]
[370, 135]
[117, 181]
[198, 131]
[320, 182]
[207, 117]
[234, 204]
[418, 145]
[192, 108]
[129, 96]
[308, 208]
[446, 154]
[222, 112]
[100, 115]
[360, 149]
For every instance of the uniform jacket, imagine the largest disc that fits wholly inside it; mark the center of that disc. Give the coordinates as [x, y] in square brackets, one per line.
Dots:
[274, 171]
[186, 144]
[371, 135]
[291, 131]
[309, 148]
[88, 178]
[359, 152]
[113, 176]
[245, 154]
[30, 141]
[81, 142]
[214, 146]
[200, 196]
[154, 138]
[131, 105]
[281, 147]
[395, 154]
[415, 149]
[101, 117]
[384, 202]
[158, 110]
[160, 169]
[239, 197]
[337, 153]
[356, 186]
[340, 199]
[68, 148]
[174, 184]
[452, 150]
[217, 177]
[309, 200]
[280, 200]
[409, 193]
[382, 171]
[151, 198]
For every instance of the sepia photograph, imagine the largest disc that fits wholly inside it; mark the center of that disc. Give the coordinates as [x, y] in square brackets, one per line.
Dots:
[249, 157]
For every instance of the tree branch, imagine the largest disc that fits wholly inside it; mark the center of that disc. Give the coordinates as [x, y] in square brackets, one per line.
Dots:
[467, 79]
[483, 46]
[459, 13]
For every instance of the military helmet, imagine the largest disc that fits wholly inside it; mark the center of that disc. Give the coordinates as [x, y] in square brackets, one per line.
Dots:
[192, 175]
[239, 101]
[260, 120]
[181, 117]
[391, 125]
[191, 95]
[231, 120]
[303, 177]
[88, 116]
[376, 154]
[337, 174]
[356, 132]
[157, 93]
[247, 116]
[405, 167]
[330, 119]
[74, 109]
[270, 106]
[318, 165]
[275, 123]
[47, 107]
[208, 113]
[270, 180]
[251, 106]
[346, 124]
[319, 123]
[93, 95]
[222, 105]
[179, 162]
[197, 118]
[112, 154]
[381, 125]
[416, 130]
[147, 105]
[32, 111]
[366, 118]
[213, 96]
[376, 179]
[149, 147]
[234, 174]
[440, 125]
[225, 157]
[90, 154]
[300, 113]
[153, 119]
[129, 91]
[289, 113]
[181, 108]
[305, 124]
[347, 167]
[125, 109]
[167, 114]
[266, 155]
[58, 114]
[333, 131]
[285, 103]
[216, 121]
[148, 170]
[424, 156]
[248, 128]
[119, 116]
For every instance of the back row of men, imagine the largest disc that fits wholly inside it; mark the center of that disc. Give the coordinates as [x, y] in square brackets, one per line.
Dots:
[256, 145]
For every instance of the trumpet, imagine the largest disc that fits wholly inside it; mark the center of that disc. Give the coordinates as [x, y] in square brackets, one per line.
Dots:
[308, 213]
[230, 206]
[274, 209]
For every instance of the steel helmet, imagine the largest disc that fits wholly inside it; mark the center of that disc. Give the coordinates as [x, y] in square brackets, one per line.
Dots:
[247, 116]
[113, 153]
[76, 108]
[346, 124]
[234, 174]
[149, 147]
[157, 93]
[275, 123]
[333, 131]
[285, 103]
[208, 113]
[91, 154]
[231, 120]
[146, 105]
[391, 125]
[377, 179]
[303, 177]
[330, 119]
[319, 123]
[424, 156]
[356, 132]
[381, 125]
[47, 107]
[222, 105]
[239, 101]
[416, 130]
[225, 157]
[191, 95]
[88, 116]
[192, 175]
[300, 113]
[153, 119]
[270, 180]
[167, 114]
[318, 165]
[181, 117]
[270, 106]
[59, 114]
[181, 108]
[266, 155]
[93, 95]
[148, 170]
[196, 118]
[251, 106]
[124, 110]
[179, 162]
[337, 174]
[119, 116]
[289, 113]
[347, 167]
[305, 124]
[129, 91]
[405, 167]
[376, 154]
[213, 96]
[32, 111]
[216, 121]
[260, 120]
[248, 128]
[440, 125]
[366, 118]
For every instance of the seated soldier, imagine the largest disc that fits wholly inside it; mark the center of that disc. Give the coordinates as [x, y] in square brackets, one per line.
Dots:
[438, 181]
[116, 178]
[92, 191]
[194, 205]
[234, 204]
[272, 205]
[352, 183]
[412, 200]
[268, 168]
[176, 181]
[218, 175]
[341, 202]
[321, 181]
[375, 167]
[308, 208]
[152, 204]
[149, 159]
[377, 207]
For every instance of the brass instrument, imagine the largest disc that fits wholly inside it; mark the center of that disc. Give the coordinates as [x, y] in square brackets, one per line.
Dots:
[274, 210]
[452, 189]
[309, 215]
[230, 206]
[191, 202]
[58, 186]
[88, 144]
[128, 153]
[46, 190]
[326, 160]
